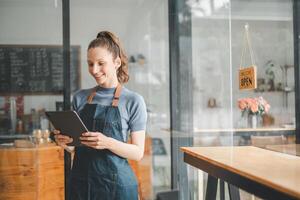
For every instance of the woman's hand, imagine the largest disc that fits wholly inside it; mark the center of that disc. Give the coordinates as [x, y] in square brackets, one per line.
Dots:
[95, 140]
[61, 140]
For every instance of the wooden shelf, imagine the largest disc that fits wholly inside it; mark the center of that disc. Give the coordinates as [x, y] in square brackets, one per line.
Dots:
[268, 129]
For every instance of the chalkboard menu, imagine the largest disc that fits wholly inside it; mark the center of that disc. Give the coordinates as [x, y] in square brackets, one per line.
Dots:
[36, 68]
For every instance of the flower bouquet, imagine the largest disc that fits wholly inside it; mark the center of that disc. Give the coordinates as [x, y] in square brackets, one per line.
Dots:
[254, 108]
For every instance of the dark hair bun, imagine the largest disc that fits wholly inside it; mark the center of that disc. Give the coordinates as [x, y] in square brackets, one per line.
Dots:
[102, 34]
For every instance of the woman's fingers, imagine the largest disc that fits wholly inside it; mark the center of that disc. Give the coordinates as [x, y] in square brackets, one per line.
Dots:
[62, 139]
[91, 134]
[94, 138]
[68, 140]
[56, 132]
[62, 136]
[94, 144]
[91, 143]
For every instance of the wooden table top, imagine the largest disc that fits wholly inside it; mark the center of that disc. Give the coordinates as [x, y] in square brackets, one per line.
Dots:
[280, 172]
[292, 149]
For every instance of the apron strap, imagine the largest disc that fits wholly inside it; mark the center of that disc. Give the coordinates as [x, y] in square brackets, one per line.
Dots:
[115, 101]
[91, 96]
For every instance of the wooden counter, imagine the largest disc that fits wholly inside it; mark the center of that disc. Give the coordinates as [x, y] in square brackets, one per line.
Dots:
[32, 173]
[265, 173]
[143, 172]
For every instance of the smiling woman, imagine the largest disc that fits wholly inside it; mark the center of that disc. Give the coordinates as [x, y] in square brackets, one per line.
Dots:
[101, 65]
[142, 29]
[109, 111]
[105, 55]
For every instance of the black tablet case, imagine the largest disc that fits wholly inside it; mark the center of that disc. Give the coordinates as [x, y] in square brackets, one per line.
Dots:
[68, 123]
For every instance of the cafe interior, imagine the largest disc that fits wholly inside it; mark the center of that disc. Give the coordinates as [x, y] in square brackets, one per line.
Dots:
[220, 80]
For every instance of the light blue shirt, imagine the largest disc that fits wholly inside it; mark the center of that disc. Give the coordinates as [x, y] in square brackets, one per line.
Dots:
[132, 106]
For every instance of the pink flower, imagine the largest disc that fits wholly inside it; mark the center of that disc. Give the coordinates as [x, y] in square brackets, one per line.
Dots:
[242, 104]
[267, 107]
[254, 105]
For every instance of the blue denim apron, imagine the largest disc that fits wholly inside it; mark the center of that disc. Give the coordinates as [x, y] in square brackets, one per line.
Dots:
[101, 174]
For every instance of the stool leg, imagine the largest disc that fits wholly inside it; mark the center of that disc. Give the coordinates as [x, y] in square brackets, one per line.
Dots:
[222, 190]
[234, 192]
[211, 189]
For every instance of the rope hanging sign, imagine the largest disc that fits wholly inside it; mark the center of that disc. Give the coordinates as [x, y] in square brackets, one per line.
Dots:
[247, 74]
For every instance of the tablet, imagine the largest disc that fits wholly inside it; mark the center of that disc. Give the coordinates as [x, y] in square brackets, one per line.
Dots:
[68, 123]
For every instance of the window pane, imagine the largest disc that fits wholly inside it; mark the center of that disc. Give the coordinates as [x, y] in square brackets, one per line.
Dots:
[142, 27]
[221, 117]
[30, 84]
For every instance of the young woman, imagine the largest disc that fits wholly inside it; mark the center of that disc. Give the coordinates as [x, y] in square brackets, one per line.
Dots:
[109, 111]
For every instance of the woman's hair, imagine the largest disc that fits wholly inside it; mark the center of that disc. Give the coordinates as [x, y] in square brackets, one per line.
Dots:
[112, 43]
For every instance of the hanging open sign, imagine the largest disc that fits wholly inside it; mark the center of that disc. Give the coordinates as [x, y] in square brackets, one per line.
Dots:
[247, 75]
[247, 78]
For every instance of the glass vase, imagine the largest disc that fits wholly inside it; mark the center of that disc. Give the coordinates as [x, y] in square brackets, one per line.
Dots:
[252, 121]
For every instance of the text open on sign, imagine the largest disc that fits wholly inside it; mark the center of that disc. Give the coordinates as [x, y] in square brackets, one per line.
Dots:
[247, 78]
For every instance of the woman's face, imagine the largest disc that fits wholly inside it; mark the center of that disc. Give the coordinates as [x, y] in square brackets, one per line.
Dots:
[103, 67]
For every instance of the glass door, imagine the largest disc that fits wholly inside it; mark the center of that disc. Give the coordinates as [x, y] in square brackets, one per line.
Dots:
[142, 27]
[211, 40]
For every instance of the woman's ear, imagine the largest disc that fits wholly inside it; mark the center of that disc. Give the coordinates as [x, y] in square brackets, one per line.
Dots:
[118, 62]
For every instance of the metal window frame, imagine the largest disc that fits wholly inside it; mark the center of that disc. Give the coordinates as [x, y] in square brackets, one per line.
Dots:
[181, 93]
[67, 83]
[296, 26]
